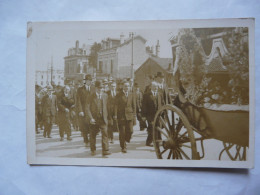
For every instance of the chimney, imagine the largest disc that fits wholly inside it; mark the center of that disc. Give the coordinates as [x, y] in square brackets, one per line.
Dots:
[157, 49]
[122, 38]
[77, 47]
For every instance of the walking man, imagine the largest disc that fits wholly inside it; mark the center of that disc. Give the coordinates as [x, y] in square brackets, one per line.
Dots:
[112, 122]
[83, 94]
[152, 102]
[97, 114]
[49, 109]
[125, 112]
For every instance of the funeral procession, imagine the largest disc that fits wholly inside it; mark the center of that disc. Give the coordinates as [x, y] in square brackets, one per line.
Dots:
[133, 95]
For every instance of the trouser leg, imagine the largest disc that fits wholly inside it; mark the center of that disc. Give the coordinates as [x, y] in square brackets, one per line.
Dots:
[93, 134]
[149, 139]
[122, 134]
[128, 130]
[110, 132]
[103, 129]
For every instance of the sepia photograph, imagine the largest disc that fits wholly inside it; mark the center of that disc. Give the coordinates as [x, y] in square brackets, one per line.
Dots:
[141, 93]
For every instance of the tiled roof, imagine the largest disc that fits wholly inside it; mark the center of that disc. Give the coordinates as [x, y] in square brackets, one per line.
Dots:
[163, 62]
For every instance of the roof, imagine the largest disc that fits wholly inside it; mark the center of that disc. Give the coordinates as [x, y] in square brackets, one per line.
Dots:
[162, 62]
[125, 43]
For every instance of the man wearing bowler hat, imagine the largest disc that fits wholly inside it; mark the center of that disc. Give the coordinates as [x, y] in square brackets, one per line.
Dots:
[83, 94]
[97, 114]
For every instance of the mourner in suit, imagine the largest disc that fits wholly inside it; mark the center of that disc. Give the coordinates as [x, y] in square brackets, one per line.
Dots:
[49, 109]
[162, 87]
[139, 101]
[97, 114]
[125, 112]
[83, 94]
[65, 102]
[150, 79]
[112, 122]
[152, 101]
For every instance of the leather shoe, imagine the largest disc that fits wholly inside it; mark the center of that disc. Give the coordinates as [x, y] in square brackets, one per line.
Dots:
[106, 153]
[93, 153]
[61, 139]
[69, 138]
[124, 150]
[150, 145]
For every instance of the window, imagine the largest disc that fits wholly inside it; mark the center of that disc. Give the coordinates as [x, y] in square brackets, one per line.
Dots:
[47, 82]
[59, 77]
[84, 52]
[41, 82]
[42, 76]
[59, 83]
[53, 77]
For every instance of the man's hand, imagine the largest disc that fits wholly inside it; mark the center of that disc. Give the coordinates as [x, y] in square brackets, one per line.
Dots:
[114, 117]
[92, 121]
[143, 118]
[67, 110]
[81, 114]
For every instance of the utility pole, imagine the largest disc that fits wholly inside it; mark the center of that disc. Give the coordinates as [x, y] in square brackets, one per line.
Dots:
[51, 69]
[132, 63]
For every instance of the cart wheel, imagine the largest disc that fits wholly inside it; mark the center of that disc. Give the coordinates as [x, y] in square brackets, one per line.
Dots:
[173, 137]
[235, 152]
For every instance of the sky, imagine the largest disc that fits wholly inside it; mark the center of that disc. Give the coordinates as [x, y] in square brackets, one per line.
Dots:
[52, 40]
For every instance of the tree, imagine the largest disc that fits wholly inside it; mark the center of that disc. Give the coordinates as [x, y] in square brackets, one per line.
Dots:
[95, 48]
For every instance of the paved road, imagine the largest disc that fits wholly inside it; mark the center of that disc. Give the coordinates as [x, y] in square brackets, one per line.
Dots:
[53, 147]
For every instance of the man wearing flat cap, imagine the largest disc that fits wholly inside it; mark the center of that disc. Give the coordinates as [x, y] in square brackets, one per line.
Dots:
[83, 94]
[97, 114]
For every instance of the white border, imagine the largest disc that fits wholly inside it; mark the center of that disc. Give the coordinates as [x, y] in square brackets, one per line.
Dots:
[163, 24]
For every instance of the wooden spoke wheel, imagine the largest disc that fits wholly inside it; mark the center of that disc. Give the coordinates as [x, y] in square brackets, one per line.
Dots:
[235, 152]
[173, 136]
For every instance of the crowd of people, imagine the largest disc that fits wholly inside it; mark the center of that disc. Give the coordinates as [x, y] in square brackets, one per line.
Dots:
[104, 106]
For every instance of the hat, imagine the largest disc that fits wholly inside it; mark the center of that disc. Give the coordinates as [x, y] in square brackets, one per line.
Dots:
[160, 75]
[49, 88]
[98, 84]
[88, 77]
[151, 77]
[105, 81]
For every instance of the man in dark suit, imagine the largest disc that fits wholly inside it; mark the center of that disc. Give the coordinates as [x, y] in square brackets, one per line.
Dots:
[49, 109]
[152, 102]
[139, 101]
[83, 94]
[125, 112]
[163, 88]
[97, 114]
[112, 123]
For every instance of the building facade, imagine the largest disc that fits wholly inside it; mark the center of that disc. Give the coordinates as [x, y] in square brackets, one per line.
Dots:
[76, 63]
[116, 56]
[44, 78]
